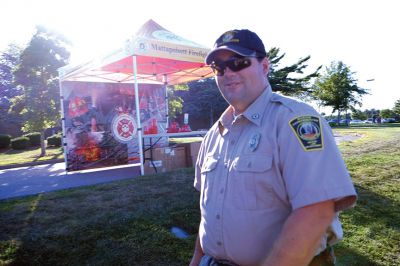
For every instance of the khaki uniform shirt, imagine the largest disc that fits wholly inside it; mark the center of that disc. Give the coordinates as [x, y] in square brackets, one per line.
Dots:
[253, 170]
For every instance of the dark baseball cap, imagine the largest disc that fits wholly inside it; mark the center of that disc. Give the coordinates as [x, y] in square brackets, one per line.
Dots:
[243, 42]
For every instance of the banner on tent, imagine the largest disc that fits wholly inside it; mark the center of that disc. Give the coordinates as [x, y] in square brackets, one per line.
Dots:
[100, 126]
[150, 47]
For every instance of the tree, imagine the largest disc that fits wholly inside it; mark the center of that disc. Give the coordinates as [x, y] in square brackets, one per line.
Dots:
[37, 75]
[175, 103]
[288, 80]
[358, 114]
[372, 113]
[387, 113]
[9, 59]
[396, 108]
[337, 88]
[203, 101]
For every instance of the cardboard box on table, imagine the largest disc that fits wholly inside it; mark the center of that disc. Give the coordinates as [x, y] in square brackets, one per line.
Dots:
[164, 160]
[192, 149]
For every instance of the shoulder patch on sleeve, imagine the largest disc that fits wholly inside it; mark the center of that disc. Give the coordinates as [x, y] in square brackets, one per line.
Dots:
[308, 132]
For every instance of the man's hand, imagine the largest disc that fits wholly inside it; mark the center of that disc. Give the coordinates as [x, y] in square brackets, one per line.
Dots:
[198, 253]
[301, 235]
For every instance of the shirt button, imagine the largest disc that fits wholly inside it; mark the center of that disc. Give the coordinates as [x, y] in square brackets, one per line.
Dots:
[219, 243]
[226, 165]
[255, 116]
[232, 142]
[218, 216]
[221, 191]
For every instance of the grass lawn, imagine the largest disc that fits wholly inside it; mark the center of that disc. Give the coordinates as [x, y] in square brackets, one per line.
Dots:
[372, 228]
[128, 222]
[9, 156]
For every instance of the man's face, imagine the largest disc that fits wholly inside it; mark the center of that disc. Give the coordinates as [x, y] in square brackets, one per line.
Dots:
[241, 88]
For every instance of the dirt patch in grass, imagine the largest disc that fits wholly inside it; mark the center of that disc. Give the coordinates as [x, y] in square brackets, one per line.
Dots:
[347, 137]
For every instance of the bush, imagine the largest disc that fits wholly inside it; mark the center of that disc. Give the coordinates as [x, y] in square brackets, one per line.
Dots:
[332, 124]
[34, 138]
[54, 140]
[5, 141]
[20, 143]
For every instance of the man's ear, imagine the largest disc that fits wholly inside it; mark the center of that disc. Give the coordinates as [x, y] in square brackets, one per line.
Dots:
[265, 63]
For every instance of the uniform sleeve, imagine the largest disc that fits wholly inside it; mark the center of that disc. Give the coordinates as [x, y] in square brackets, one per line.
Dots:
[310, 162]
[199, 163]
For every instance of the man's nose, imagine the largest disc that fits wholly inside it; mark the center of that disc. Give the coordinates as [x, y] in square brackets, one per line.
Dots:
[228, 71]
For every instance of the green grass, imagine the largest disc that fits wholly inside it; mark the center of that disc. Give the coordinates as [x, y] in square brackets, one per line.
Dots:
[128, 222]
[10, 156]
[372, 228]
[123, 223]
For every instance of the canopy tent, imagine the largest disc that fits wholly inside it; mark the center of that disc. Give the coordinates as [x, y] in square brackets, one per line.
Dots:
[153, 55]
[161, 57]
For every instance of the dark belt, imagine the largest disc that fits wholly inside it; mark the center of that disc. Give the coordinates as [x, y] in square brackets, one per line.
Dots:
[325, 258]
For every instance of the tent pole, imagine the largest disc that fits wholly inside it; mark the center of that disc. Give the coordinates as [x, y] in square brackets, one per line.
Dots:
[139, 125]
[64, 133]
[165, 79]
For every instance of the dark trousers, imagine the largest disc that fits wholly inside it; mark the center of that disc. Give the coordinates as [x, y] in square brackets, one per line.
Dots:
[325, 258]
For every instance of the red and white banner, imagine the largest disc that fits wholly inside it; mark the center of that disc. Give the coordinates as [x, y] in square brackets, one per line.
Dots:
[100, 122]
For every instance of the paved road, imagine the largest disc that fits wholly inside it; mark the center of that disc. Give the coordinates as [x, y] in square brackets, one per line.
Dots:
[49, 177]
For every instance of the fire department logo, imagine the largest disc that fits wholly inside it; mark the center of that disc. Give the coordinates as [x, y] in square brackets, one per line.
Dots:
[124, 128]
[308, 131]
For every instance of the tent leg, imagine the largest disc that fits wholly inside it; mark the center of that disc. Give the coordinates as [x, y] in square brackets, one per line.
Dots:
[139, 125]
[165, 79]
[64, 133]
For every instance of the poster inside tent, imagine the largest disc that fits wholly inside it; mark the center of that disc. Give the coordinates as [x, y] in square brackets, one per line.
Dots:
[100, 126]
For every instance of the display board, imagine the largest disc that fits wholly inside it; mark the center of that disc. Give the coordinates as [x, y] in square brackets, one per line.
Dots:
[100, 122]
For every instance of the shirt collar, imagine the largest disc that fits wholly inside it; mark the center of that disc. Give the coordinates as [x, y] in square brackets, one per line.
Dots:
[225, 120]
[254, 113]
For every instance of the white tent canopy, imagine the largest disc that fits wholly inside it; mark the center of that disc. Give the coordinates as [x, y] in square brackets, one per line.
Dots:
[160, 54]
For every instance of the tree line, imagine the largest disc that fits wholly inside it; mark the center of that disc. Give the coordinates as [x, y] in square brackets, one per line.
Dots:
[30, 93]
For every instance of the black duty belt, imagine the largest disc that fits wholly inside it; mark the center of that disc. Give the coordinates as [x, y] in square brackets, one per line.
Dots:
[325, 258]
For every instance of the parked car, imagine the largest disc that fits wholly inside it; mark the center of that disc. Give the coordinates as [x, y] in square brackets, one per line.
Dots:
[388, 120]
[356, 121]
[369, 121]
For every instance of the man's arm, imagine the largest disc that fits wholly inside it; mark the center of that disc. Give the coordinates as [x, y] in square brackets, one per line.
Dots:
[301, 235]
[198, 253]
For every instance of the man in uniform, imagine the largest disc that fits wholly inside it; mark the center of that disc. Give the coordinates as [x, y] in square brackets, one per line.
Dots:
[270, 175]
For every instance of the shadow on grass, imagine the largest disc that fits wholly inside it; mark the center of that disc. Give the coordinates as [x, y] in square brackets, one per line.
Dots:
[349, 257]
[124, 223]
[12, 151]
[373, 207]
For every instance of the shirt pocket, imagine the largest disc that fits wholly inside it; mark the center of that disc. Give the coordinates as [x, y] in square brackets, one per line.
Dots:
[252, 182]
[208, 173]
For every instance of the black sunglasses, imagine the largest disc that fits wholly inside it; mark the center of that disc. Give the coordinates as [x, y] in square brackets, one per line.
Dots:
[234, 63]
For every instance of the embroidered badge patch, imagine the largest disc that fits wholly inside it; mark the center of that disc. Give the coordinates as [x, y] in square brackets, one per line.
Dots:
[308, 131]
[254, 141]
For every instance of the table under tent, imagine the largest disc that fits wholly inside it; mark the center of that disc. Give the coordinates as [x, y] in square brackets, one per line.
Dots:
[110, 105]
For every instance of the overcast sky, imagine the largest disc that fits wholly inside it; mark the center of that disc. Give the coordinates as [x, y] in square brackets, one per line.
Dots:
[362, 34]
